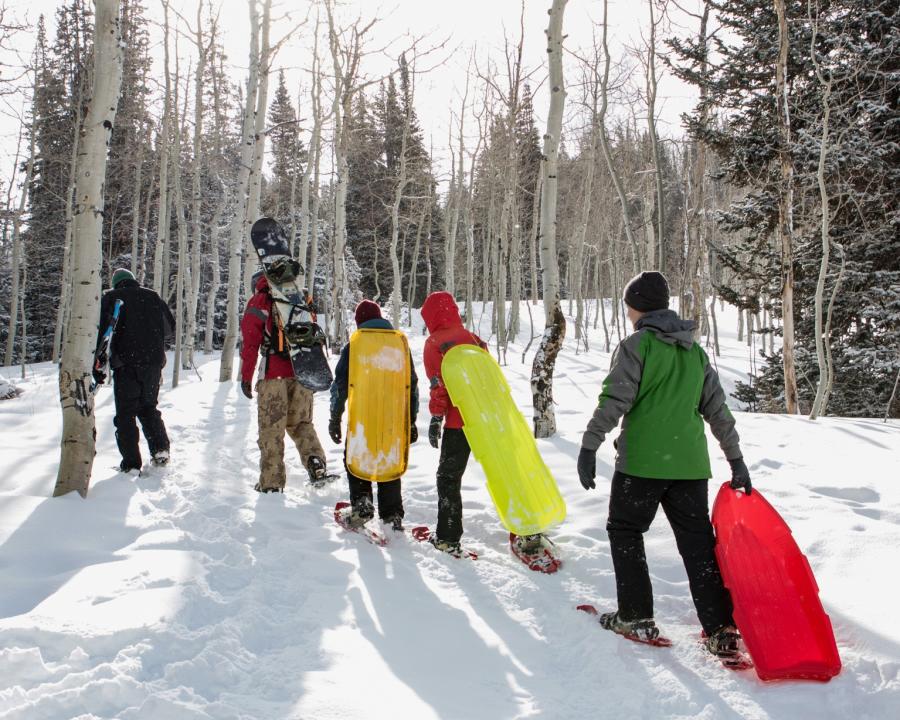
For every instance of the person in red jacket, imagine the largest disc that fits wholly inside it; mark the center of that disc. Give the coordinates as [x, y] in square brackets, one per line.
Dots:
[284, 404]
[441, 316]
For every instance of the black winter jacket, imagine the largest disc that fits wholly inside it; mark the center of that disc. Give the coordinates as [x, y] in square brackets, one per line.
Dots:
[145, 325]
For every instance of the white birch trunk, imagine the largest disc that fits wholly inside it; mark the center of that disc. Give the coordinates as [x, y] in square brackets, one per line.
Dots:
[259, 146]
[76, 400]
[235, 245]
[196, 195]
[162, 232]
[213, 273]
[17, 291]
[786, 216]
[555, 322]
[607, 151]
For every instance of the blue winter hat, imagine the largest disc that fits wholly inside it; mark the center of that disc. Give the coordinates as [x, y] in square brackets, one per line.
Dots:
[121, 275]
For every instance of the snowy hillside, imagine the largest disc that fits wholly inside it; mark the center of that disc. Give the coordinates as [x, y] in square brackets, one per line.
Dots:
[183, 594]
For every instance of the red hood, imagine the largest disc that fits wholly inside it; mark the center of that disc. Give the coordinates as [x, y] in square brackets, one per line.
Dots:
[262, 285]
[439, 310]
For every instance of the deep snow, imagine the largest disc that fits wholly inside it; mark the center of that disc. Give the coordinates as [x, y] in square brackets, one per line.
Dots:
[184, 594]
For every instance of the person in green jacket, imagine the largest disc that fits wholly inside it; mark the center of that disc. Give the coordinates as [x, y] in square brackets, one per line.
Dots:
[663, 385]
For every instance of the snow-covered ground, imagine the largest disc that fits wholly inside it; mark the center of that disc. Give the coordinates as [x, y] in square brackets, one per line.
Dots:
[184, 594]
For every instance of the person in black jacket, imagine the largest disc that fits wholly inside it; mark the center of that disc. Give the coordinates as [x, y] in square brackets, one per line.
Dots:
[137, 357]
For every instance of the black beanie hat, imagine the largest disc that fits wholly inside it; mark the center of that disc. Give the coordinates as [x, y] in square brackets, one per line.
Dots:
[647, 291]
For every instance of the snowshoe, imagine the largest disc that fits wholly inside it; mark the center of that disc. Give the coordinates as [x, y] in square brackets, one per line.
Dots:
[424, 534]
[725, 644]
[640, 631]
[355, 522]
[535, 551]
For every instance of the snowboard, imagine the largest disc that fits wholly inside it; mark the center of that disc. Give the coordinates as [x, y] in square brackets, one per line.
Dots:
[305, 338]
[520, 484]
[776, 600]
[101, 354]
[658, 641]
[542, 561]
[342, 512]
[378, 399]
[423, 534]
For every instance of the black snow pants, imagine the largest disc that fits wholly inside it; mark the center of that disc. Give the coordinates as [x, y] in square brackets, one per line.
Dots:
[390, 501]
[633, 502]
[136, 389]
[454, 457]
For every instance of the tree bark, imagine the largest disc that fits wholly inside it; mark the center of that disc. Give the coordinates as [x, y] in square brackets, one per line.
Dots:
[235, 244]
[614, 174]
[76, 400]
[16, 290]
[259, 143]
[786, 216]
[162, 232]
[555, 323]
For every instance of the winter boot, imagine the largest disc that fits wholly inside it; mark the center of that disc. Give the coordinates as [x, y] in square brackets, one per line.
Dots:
[529, 544]
[642, 630]
[451, 548]
[315, 466]
[396, 522]
[160, 458]
[723, 643]
[260, 489]
[127, 467]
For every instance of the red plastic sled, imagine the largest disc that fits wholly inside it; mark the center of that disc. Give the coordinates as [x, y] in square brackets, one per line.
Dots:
[776, 600]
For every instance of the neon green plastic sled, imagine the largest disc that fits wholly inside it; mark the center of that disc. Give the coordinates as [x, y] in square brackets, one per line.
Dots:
[378, 424]
[520, 484]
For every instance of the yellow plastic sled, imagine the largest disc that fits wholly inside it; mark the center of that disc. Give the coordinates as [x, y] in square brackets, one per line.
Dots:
[378, 425]
[520, 484]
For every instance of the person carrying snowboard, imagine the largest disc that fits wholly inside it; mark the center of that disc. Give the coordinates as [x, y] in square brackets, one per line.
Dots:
[390, 502]
[284, 405]
[136, 359]
[664, 386]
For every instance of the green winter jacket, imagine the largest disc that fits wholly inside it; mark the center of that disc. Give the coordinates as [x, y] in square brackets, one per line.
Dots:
[661, 381]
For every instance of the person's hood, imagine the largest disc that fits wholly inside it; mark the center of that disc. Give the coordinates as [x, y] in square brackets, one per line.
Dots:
[376, 324]
[262, 284]
[127, 283]
[439, 311]
[668, 327]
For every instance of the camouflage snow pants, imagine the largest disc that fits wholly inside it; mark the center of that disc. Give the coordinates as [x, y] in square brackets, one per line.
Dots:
[284, 406]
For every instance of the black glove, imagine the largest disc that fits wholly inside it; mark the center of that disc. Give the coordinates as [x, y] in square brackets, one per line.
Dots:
[587, 468]
[740, 475]
[99, 376]
[247, 389]
[413, 433]
[434, 431]
[334, 428]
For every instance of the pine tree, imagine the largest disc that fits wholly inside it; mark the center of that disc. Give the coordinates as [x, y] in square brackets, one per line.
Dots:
[858, 46]
[288, 155]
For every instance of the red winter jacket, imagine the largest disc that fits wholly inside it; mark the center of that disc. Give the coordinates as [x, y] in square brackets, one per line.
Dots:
[255, 325]
[442, 319]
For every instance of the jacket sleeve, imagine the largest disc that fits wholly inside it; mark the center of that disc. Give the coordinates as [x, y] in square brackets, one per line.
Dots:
[439, 401]
[106, 307]
[253, 326]
[715, 411]
[341, 383]
[413, 390]
[620, 388]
